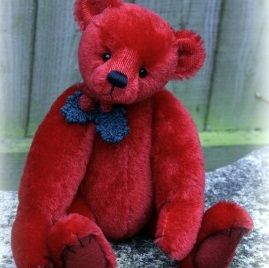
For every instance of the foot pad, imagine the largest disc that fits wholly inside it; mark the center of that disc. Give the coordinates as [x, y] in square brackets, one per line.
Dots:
[217, 250]
[87, 253]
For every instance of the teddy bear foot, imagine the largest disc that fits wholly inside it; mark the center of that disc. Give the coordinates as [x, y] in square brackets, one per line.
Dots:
[216, 251]
[75, 241]
[222, 229]
[87, 253]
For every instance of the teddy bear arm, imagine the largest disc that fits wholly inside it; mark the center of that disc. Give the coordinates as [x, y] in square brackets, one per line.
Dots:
[56, 162]
[28, 240]
[54, 169]
[178, 173]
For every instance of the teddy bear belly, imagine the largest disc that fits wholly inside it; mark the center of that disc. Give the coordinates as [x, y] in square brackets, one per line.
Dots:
[118, 186]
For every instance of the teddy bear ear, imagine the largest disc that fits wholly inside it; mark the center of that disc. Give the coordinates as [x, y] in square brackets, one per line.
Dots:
[191, 54]
[86, 9]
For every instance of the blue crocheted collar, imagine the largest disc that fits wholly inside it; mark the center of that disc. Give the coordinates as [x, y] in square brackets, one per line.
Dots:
[112, 126]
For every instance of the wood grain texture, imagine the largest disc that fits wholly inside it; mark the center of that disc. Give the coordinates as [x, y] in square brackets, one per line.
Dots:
[16, 38]
[55, 63]
[201, 16]
[241, 68]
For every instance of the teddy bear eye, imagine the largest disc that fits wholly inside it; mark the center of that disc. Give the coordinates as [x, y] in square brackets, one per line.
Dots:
[143, 72]
[106, 56]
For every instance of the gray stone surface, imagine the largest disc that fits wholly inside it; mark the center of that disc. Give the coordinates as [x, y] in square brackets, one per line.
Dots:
[246, 182]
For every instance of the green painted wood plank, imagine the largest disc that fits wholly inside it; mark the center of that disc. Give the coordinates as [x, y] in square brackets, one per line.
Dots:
[219, 156]
[55, 62]
[17, 22]
[220, 148]
[11, 164]
[201, 16]
[234, 138]
[208, 139]
[15, 145]
[241, 68]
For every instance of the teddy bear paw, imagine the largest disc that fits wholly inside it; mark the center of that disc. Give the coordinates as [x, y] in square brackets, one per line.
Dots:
[85, 253]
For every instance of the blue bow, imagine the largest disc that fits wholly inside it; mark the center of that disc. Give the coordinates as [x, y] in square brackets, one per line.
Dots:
[112, 126]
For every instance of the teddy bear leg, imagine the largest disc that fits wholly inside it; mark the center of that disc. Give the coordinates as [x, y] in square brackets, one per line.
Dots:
[222, 228]
[76, 241]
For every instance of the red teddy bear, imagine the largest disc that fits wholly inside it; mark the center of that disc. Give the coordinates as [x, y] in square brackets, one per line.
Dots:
[119, 154]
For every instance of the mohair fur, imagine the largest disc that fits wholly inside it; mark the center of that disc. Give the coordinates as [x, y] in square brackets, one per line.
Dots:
[76, 185]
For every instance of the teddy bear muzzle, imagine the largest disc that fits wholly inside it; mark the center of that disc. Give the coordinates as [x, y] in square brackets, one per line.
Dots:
[117, 79]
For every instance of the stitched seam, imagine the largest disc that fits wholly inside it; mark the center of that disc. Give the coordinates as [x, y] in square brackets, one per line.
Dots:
[199, 244]
[165, 225]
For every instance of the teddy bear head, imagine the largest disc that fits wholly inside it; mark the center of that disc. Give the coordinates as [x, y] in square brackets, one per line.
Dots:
[128, 53]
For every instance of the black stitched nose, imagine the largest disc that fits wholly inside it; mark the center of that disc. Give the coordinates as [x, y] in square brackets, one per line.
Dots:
[117, 79]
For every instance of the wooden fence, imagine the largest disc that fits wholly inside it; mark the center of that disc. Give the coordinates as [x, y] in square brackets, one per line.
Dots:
[38, 60]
